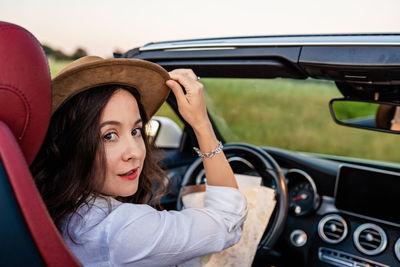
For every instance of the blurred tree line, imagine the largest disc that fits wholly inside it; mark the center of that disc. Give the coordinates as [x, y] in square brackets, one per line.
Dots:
[60, 55]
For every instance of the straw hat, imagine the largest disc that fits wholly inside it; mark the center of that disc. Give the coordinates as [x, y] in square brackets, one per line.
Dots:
[91, 71]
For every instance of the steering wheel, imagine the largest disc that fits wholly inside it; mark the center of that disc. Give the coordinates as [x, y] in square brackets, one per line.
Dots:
[270, 173]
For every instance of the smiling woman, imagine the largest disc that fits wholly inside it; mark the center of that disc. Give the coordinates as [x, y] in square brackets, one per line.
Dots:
[124, 155]
[100, 182]
[74, 143]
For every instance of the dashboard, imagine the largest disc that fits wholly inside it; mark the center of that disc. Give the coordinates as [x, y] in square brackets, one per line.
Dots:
[340, 214]
[354, 222]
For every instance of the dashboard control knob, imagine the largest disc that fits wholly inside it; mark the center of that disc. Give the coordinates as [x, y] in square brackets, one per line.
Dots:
[298, 238]
[297, 209]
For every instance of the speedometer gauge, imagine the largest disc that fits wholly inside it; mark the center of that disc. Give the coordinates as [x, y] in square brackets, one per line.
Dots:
[303, 196]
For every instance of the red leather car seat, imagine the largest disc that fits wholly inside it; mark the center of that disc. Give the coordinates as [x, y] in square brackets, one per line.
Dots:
[25, 103]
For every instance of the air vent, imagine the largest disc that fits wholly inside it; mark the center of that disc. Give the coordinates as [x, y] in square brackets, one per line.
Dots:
[397, 249]
[332, 228]
[370, 239]
[339, 258]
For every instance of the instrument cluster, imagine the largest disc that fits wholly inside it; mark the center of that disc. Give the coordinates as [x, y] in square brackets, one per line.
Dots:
[303, 195]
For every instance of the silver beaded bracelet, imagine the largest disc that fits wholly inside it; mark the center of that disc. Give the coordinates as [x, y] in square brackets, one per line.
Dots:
[209, 154]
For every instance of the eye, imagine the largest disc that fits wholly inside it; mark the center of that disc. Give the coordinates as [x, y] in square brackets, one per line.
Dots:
[110, 137]
[137, 132]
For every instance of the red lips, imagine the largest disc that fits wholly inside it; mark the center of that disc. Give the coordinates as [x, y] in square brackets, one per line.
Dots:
[130, 175]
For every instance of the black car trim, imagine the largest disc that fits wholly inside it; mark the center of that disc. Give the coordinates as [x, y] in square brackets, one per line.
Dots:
[288, 40]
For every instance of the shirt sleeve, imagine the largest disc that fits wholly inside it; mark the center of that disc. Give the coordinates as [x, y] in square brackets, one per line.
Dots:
[229, 202]
[167, 238]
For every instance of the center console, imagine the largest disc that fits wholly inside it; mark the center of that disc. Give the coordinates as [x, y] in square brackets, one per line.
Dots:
[363, 226]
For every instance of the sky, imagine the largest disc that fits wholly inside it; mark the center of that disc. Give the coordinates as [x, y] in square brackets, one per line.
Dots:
[104, 26]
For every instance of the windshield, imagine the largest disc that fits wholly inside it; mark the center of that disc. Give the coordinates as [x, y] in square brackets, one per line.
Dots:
[284, 113]
[290, 114]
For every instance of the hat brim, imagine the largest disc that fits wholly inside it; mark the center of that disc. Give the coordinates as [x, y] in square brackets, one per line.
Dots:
[88, 72]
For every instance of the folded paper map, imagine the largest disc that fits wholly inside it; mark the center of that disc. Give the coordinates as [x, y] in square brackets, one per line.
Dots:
[261, 203]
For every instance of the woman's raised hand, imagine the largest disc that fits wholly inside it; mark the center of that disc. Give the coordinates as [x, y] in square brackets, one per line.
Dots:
[192, 105]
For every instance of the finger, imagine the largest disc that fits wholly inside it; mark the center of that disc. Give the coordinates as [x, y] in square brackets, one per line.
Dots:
[185, 72]
[177, 90]
[186, 81]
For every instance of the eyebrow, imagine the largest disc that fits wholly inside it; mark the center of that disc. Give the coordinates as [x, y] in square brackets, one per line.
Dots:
[117, 123]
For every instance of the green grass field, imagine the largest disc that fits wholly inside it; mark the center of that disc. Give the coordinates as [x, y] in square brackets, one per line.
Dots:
[56, 66]
[284, 113]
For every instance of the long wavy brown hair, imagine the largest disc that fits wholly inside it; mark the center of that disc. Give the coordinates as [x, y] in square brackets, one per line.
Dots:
[65, 167]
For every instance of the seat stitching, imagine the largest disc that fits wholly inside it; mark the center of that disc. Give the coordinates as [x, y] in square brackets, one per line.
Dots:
[24, 99]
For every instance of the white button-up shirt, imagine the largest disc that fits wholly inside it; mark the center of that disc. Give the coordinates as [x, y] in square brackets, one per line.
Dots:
[112, 233]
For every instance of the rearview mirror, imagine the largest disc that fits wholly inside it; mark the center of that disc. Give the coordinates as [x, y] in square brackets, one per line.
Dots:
[371, 115]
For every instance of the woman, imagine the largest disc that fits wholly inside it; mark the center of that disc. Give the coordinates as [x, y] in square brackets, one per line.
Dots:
[388, 117]
[96, 174]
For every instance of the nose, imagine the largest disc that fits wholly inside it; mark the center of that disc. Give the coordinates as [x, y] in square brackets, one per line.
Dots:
[134, 148]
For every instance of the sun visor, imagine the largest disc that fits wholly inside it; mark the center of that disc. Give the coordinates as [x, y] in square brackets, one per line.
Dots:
[226, 62]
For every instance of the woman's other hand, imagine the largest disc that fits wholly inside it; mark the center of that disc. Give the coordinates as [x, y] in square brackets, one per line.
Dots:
[192, 105]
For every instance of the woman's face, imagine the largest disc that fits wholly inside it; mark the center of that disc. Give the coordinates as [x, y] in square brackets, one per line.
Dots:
[121, 129]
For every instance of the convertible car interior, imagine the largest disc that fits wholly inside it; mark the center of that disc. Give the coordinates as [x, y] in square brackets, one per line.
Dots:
[331, 210]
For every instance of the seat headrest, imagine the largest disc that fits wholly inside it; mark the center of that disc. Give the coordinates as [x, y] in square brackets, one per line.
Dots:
[25, 87]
